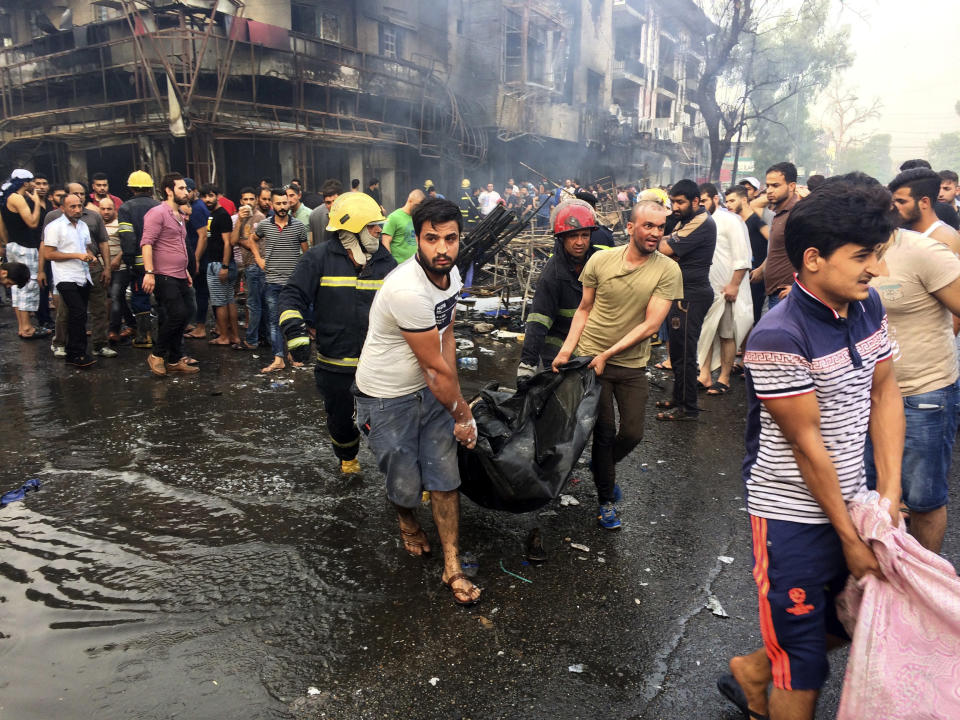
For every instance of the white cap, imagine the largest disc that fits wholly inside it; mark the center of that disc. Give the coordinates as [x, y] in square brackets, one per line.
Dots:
[752, 180]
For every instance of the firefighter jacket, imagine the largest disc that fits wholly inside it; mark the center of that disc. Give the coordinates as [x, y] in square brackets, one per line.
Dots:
[130, 228]
[555, 301]
[469, 211]
[341, 294]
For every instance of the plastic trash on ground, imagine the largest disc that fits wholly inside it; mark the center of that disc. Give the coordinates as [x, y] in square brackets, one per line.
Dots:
[20, 493]
[529, 441]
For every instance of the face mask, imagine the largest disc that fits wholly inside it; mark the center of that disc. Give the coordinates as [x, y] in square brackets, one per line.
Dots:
[369, 242]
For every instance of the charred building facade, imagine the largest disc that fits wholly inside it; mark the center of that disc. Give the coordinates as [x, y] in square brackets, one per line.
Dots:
[232, 91]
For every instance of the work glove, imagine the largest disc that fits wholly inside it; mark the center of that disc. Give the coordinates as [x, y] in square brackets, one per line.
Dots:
[294, 329]
[524, 373]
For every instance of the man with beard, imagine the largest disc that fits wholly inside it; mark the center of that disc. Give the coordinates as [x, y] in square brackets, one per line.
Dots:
[692, 245]
[409, 403]
[946, 212]
[739, 203]
[164, 248]
[282, 240]
[341, 276]
[217, 250]
[914, 195]
[559, 290]
[627, 293]
[250, 214]
[776, 271]
[101, 190]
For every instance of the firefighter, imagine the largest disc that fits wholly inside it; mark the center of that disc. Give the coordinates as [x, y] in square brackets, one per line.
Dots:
[129, 230]
[339, 278]
[559, 289]
[468, 206]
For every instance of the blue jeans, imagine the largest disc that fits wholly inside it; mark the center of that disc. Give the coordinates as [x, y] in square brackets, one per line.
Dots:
[772, 301]
[931, 429]
[257, 323]
[273, 307]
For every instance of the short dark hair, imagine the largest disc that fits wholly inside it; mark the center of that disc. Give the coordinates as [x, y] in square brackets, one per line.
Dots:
[709, 188]
[435, 211]
[208, 189]
[247, 189]
[948, 175]
[921, 181]
[331, 187]
[586, 196]
[98, 176]
[281, 191]
[355, 183]
[268, 181]
[685, 188]
[296, 188]
[814, 181]
[57, 187]
[373, 181]
[852, 208]
[17, 272]
[41, 176]
[738, 190]
[169, 180]
[915, 163]
[787, 169]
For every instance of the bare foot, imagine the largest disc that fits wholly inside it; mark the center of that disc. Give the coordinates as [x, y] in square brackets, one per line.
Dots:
[754, 675]
[198, 333]
[293, 363]
[219, 341]
[276, 365]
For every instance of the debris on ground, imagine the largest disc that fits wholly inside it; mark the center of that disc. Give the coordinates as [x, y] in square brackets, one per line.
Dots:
[578, 668]
[713, 604]
[578, 546]
[566, 500]
[726, 559]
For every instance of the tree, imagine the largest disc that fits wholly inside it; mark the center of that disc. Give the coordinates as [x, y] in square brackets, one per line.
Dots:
[757, 58]
[846, 117]
[944, 152]
[871, 156]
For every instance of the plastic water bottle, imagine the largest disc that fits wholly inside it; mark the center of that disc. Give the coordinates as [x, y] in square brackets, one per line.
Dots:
[467, 363]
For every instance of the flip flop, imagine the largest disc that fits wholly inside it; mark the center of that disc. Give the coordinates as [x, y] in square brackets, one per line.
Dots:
[417, 539]
[661, 366]
[731, 690]
[458, 594]
[677, 414]
[718, 388]
[701, 387]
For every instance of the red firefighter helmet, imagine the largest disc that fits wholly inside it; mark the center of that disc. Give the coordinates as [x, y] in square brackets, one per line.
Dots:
[574, 216]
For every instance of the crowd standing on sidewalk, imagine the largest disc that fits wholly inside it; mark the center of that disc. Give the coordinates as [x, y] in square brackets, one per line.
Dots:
[838, 303]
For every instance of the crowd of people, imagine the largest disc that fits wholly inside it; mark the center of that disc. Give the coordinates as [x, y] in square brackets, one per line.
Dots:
[840, 299]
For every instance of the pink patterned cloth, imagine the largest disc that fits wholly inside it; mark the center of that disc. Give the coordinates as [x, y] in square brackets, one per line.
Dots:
[905, 656]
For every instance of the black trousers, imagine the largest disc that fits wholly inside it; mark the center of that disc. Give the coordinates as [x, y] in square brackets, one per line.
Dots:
[628, 386]
[175, 309]
[335, 387]
[684, 323]
[75, 297]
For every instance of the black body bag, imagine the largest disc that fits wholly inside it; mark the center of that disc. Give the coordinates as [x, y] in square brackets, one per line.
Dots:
[528, 442]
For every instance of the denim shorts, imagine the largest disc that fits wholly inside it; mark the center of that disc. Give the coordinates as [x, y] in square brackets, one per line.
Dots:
[412, 438]
[221, 293]
[927, 447]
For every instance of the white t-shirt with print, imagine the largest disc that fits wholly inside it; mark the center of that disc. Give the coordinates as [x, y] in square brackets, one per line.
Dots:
[407, 302]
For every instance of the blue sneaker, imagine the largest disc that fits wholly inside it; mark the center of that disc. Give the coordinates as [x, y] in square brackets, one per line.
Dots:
[617, 494]
[608, 518]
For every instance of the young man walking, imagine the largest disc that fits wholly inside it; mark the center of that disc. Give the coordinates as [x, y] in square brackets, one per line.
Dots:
[409, 402]
[819, 378]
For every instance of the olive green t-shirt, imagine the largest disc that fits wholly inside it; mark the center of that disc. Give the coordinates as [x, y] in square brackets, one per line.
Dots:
[621, 301]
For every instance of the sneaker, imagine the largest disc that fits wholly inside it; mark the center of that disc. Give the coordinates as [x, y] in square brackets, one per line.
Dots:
[608, 518]
[157, 366]
[349, 467]
[105, 352]
[59, 351]
[182, 367]
[82, 361]
[617, 493]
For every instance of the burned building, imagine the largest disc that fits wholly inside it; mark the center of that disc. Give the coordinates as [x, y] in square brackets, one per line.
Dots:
[233, 91]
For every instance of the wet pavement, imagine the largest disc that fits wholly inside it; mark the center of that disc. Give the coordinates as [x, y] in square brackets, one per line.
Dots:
[194, 553]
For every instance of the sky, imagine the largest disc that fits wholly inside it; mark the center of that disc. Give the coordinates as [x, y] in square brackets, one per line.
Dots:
[907, 56]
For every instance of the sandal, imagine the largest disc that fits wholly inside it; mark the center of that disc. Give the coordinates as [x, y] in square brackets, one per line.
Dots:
[666, 404]
[701, 387]
[663, 366]
[415, 540]
[718, 388]
[677, 414]
[731, 690]
[462, 597]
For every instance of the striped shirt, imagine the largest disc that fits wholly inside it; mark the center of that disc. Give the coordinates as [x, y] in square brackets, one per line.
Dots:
[803, 346]
[281, 249]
